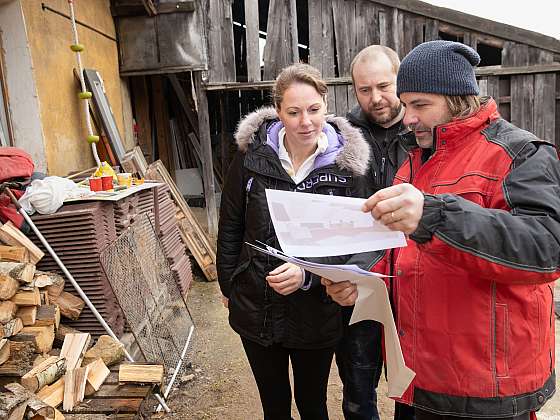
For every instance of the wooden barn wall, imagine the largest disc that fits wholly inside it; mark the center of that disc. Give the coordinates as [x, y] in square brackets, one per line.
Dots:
[337, 30]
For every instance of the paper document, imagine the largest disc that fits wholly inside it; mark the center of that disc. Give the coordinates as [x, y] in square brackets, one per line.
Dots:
[317, 225]
[373, 303]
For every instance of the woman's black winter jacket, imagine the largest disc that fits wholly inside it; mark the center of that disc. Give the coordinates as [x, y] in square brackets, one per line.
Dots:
[305, 319]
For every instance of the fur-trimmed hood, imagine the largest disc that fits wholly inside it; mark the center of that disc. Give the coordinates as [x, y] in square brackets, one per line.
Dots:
[354, 154]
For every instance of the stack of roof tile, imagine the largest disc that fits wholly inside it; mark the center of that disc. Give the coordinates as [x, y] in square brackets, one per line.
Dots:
[78, 233]
[167, 229]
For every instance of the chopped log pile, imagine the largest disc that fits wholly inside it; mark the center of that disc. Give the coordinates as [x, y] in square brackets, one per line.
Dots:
[37, 380]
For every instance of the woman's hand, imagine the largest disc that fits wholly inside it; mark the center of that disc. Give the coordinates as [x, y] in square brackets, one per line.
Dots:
[225, 301]
[285, 279]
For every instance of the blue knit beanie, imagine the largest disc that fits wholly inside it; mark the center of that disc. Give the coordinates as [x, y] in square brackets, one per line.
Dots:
[441, 67]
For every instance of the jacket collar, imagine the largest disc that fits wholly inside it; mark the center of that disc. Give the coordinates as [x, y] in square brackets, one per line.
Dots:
[455, 132]
[349, 149]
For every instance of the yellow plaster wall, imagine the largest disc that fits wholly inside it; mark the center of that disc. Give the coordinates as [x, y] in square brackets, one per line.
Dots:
[62, 115]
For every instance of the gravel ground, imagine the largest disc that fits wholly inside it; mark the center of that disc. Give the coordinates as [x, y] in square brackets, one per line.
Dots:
[219, 384]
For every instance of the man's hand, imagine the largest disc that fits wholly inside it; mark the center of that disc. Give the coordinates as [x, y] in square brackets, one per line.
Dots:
[343, 293]
[398, 207]
[285, 279]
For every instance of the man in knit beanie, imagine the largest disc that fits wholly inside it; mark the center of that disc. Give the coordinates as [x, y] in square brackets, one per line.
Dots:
[480, 202]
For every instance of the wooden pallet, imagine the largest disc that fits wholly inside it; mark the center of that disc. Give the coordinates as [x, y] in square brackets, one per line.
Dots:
[191, 231]
[112, 401]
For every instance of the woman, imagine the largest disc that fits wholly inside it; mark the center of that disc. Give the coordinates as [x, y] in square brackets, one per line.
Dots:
[281, 313]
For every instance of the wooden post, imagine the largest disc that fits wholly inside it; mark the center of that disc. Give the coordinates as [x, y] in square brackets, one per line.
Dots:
[207, 164]
[252, 37]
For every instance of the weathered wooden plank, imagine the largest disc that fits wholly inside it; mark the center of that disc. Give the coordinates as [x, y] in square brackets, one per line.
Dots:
[341, 94]
[122, 391]
[383, 28]
[482, 25]
[321, 41]
[142, 111]
[252, 40]
[221, 55]
[413, 33]
[544, 113]
[432, 30]
[281, 48]
[113, 416]
[366, 24]
[352, 101]
[344, 18]
[108, 405]
[207, 162]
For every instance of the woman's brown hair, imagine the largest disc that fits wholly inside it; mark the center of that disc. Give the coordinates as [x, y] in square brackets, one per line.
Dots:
[297, 73]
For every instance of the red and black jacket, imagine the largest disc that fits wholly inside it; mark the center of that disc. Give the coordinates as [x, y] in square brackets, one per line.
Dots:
[473, 291]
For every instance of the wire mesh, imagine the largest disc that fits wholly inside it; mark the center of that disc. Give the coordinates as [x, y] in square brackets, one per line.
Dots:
[147, 292]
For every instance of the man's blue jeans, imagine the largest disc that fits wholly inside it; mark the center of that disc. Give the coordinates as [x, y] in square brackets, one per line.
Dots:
[359, 360]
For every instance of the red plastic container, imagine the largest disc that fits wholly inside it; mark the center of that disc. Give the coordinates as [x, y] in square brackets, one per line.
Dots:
[107, 182]
[95, 184]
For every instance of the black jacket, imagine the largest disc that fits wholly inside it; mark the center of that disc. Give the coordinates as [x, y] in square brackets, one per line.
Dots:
[303, 319]
[387, 157]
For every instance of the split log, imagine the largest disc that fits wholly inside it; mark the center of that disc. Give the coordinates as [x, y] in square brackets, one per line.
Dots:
[97, 374]
[41, 337]
[9, 403]
[14, 253]
[45, 374]
[22, 272]
[20, 361]
[74, 387]
[11, 328]
[19, 412]
[74, 348]
[34, 404]
[52, 281]
[8, 310]
[70, 306]
[27, 297]
[48, 315]
[106, 348]
[11, 235]
[141, 373]
[27, 314]
[61, 333]
[8, 287]
[52, 394]
[4, 350]
[45, 299]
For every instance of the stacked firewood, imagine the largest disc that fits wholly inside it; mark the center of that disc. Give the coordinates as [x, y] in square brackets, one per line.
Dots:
[43, 363]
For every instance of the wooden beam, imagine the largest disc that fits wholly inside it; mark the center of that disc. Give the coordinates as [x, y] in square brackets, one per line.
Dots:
[150, 7]
[267, 84]
[467, 21]
[518, 70]
[207, 162]
[252, 40]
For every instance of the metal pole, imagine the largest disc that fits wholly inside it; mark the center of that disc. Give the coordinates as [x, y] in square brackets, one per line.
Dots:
[177, 368]
[75, 284]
